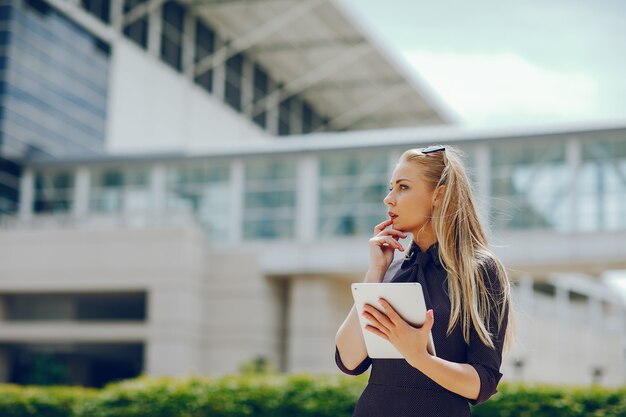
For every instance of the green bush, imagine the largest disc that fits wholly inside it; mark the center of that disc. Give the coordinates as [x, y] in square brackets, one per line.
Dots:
[273, 395]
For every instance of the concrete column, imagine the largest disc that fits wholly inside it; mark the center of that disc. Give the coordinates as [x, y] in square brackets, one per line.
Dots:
[158, 184]
[116, 12]
[27, 194]
[219, 73]
[174, 344]
[80, 206]
[562, 301]
[237, 189]
[317, 306]
[482, 159]
[573, 158]
[272, 110]
[155, 28]
[307, 199]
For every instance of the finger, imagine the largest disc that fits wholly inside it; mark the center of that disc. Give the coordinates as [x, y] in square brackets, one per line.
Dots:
[390, 241]
[392, 232]
[390, 312]
[380, 226]
[372, 313]
[376, 331]
[430, 319]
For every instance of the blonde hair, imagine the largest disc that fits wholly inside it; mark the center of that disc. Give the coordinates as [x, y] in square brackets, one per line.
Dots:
[463, 249]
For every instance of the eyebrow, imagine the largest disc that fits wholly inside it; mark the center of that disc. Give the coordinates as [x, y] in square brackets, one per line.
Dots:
[401, 179]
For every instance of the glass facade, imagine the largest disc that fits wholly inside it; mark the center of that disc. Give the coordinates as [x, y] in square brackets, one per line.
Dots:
[204, 190]
[54, 83]
[601, 183]
[54, 192]
[269, 199]
[535, 184]
[351, 192]
[116, 190]
[530, 185]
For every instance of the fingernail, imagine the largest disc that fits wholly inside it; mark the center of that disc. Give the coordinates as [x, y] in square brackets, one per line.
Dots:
[431, 314]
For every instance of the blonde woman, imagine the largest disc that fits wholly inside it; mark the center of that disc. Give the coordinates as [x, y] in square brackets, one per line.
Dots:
[465, 286]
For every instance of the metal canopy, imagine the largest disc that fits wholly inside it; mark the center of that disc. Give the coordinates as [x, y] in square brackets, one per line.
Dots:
[308, 46]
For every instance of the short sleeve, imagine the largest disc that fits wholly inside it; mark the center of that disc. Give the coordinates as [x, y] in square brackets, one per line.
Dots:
[483, 358]
[362, 367]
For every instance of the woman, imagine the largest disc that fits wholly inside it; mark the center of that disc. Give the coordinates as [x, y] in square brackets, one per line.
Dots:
[466, 290]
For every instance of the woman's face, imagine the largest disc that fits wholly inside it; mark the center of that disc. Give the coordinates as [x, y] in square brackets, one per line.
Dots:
[409, 200]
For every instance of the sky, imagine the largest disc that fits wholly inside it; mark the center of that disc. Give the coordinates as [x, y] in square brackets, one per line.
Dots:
[510, 63]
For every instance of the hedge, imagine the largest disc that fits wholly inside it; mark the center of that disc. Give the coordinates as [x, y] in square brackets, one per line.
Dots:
[280, 396]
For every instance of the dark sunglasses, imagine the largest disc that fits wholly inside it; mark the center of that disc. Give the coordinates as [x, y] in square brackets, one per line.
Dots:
[433, 148]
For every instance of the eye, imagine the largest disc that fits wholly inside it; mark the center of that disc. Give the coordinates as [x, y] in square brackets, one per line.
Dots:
[401, 185]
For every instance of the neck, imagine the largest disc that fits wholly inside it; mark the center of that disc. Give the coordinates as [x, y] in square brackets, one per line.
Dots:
[424, 237]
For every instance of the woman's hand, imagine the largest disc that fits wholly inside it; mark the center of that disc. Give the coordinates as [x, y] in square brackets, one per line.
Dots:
[383, 244]
[409, 340]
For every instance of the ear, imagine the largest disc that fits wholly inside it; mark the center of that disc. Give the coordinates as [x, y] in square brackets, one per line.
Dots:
[438, 194]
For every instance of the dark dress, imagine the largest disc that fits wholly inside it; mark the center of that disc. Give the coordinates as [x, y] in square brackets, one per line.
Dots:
[395, 388]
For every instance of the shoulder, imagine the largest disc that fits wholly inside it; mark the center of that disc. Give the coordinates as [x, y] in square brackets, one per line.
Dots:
[492, 272]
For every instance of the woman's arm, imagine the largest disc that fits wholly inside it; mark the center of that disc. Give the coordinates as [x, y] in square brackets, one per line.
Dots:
[460, 378]
[349, 338]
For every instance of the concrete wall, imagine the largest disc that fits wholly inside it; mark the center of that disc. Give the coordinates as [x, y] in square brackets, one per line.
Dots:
[154, 108]
[206, 313]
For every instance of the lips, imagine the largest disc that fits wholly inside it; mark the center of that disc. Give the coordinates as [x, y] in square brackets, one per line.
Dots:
[392, 215]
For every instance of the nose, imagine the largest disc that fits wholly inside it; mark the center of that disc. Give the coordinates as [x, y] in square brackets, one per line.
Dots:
[388, 200]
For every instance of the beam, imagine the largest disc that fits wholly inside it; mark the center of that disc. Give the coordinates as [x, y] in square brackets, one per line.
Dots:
[210, 3]
[356, 84]
[140, 11]
[368, 107]
[254, 36]
[312, 77]
[279, 47]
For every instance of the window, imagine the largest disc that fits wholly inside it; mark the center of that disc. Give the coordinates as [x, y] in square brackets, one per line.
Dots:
[115, 190]
[530, 185]
[137, 31]
[204, 47]
[53, 192]
[261, 89]
[234, 78]
[99, 8]
[351, 193]
[269, 200]
[284, 117]
[308, 118]
[173, 17]
[202, 189]
[601, 183]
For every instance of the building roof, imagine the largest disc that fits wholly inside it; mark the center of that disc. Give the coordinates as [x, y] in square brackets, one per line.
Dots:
[402, 138]
[319, 49]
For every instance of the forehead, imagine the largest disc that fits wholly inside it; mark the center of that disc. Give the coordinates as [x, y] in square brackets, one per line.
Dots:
[406, 170]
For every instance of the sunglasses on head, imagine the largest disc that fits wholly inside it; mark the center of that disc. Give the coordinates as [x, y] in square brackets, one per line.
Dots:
[433, 148]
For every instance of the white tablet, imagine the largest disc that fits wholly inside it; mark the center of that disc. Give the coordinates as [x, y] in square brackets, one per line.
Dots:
[406, 298]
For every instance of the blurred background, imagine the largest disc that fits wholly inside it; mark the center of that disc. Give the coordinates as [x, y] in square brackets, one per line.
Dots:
[188, 186]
